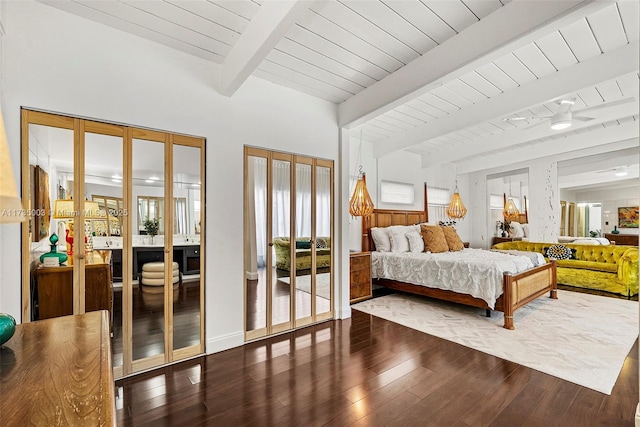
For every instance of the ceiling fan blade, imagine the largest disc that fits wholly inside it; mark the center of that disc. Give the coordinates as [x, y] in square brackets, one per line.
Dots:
[535, 125]
[606, 105]
[583, 118]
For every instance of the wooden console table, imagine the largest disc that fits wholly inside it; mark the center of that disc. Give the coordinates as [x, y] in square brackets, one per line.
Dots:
[622, 239]
[58, 372]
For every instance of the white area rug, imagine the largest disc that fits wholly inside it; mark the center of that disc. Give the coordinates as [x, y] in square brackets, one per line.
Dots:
[578, 337]
[303, 283]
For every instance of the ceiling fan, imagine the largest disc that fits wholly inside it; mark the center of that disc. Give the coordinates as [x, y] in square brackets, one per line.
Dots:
[561, 119]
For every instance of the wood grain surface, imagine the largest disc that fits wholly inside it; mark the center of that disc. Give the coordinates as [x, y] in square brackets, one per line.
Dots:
[58, 372]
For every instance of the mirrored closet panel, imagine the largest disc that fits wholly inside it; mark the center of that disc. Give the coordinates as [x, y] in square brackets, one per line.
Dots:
[101, 236]
[288, 232]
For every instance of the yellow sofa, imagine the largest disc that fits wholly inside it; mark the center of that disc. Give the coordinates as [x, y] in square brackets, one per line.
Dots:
[303, 256]
[611, 268]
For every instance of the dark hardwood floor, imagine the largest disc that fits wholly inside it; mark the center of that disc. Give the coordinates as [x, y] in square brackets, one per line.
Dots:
[366, 371]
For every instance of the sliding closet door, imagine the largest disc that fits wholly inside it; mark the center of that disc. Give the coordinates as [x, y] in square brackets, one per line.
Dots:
[104, 175]
[288, 255]
[303, 215]
[257, 250]
[187, 298]
[323, 192]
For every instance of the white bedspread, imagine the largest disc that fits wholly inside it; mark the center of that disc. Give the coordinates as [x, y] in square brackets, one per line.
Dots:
[475, 272]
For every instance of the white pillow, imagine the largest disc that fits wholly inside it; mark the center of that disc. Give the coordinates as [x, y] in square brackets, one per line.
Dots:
[517, 229]
[380, 238]
[585, 242]
[398, 237]
[416, 244]
[603, 241]
[525, 228]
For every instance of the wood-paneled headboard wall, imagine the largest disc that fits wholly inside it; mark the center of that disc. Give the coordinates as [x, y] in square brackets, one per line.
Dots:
[387, 217]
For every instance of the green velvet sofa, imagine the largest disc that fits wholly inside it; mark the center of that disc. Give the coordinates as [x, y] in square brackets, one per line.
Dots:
[610, 268]
[303, 255]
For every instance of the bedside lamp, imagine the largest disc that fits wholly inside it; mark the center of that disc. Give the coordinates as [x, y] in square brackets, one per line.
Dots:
[10, 211]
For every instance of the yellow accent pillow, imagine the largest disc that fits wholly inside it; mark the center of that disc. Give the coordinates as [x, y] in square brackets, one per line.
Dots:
[453, 240]
[434, 240]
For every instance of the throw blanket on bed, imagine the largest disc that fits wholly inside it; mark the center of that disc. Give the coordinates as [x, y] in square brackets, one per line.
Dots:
[475, 272]
[535, 257]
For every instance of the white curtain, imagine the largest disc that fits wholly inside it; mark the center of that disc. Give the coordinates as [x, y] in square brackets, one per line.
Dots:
[259, 165]
[303, 200]
[281, 198]
[323, 202]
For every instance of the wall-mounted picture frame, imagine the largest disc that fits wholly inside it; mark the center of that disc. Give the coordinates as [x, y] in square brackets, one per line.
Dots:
[41, 205]
[628, 217]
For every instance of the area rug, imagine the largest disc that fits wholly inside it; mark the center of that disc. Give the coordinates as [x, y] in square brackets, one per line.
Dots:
[579, 337]
[303, 283]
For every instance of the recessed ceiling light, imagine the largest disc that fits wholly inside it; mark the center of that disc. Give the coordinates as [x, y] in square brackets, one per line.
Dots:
[621, 172]
[116, 176]
[116, 180]
[149, 181]
[154, 178]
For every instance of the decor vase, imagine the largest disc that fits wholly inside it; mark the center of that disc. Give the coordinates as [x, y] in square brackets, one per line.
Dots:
[7, 327]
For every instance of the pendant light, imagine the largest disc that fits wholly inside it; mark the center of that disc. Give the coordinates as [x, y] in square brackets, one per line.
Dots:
[360, 203]
[456, 208]
[510, 212]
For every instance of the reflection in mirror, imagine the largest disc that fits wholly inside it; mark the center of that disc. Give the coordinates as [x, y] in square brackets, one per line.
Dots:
[256, 244]
[303, 240]
[281, 247]
[103, 184]
[50, 178]
[512, 185]
[148, 254]
[324, 245]
[186, 246]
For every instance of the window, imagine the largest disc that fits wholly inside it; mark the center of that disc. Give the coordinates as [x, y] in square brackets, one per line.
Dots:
[438, 201]
[396, 192]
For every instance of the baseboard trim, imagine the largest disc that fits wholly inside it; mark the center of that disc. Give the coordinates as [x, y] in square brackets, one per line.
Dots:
[345, 312]
[224, 342]
[638, 415]
[252, 275]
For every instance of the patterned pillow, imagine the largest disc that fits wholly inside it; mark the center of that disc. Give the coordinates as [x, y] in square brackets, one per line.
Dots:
[453, 240]
[416, 244]
[559, 252]
[434, 240]
[321, 243]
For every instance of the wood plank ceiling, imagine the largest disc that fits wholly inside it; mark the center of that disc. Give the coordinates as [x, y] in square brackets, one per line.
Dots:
[340, 50]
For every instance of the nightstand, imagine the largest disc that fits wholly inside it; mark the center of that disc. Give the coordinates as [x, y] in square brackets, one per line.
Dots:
[360, 276]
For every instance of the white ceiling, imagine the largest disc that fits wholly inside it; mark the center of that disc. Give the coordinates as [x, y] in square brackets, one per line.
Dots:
[436, 78]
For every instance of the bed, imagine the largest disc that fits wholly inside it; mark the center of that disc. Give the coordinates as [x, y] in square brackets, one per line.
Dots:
[517, 289]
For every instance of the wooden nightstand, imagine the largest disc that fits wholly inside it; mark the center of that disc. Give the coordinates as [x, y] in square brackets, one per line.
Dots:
[360, 276]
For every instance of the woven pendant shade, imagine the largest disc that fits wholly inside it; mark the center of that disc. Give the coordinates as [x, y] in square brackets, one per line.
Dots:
[510, 212]
[361, 203]
[456, 208]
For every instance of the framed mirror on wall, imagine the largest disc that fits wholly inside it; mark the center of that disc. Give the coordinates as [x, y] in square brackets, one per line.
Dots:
[509, 204]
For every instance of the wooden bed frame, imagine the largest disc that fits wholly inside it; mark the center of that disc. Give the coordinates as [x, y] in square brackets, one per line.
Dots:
[518, 289]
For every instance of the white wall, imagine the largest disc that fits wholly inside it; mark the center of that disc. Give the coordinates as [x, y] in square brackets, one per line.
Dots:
[55, 61]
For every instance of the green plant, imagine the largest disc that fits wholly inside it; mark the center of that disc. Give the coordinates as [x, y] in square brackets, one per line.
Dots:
[152, 226]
